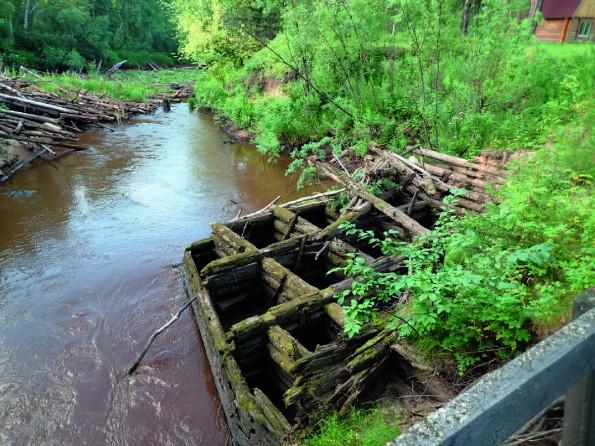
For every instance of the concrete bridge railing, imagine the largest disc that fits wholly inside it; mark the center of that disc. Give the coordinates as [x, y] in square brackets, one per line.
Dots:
[503, 401]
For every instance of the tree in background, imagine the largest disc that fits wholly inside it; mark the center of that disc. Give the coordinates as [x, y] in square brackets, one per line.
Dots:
[64, 34]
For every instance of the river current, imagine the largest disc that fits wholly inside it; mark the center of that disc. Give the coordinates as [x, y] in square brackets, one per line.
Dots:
[89, 244]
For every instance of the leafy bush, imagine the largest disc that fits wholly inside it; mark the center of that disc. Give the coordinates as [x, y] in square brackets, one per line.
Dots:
[485, 285]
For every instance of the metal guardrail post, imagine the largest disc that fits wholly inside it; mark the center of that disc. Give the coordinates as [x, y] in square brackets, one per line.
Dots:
[578, 428]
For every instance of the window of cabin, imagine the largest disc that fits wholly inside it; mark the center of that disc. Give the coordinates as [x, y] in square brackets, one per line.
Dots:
[585, 29]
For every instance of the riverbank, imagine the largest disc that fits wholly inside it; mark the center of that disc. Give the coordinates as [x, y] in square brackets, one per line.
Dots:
[521, 262]
[44, 112]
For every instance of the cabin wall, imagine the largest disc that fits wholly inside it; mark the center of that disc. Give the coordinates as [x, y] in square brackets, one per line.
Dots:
[550, 31]
[574, 29]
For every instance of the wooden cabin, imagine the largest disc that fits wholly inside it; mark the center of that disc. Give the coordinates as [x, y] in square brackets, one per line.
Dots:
[567, 21]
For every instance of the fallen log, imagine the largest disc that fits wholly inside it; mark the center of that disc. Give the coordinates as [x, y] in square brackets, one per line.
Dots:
[473, 200]
[115, 68]
[313, 197]
[29, 116]
[41, 141]
[35, 75]
[459, 162]
[38, 104]
[408, 223]
[12, 90]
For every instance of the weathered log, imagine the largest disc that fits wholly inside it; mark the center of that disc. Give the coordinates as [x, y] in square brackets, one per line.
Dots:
[286, 343]
[38, 104]
[35, 75]
[29, 116]
[459, 162]
[333, 230]
[372, 352]
[212, 323]
[228, 263]
[298, 286]
[41, 141]
[409, 168]
[273, 414]
[339, 250]
[234, 276]
[10, 89]
[408, 223]
[281, 359]
[427, 186]
[115, 68]
[232, 239]
[201, 246]
[448, 175]
[312, 197]
[336, 313]
[362, 381]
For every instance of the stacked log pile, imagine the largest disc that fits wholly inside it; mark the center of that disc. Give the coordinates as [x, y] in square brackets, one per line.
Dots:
[429, 176]
[40, 120]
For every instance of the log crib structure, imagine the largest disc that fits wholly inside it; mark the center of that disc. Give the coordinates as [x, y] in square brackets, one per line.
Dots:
[265, 305]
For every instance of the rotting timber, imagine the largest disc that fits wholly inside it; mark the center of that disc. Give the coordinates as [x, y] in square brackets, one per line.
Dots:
[265, 306]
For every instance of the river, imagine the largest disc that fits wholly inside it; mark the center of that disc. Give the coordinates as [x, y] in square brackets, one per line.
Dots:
[89, 245]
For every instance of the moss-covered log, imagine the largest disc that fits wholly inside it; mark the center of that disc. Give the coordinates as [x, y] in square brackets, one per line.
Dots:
[336, 313]
[228, 263]
[232, 276]
[333, 230]
[286, 343]
[233, 239]
[201, 246]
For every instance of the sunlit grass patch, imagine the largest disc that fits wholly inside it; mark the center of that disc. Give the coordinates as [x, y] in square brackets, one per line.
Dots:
[359, 427]
[131, 85]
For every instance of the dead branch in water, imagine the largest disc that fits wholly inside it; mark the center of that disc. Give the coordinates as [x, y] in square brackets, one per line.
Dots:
[155, 334]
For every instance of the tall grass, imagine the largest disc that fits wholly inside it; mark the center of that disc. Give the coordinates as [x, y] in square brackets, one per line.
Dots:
[131, 85]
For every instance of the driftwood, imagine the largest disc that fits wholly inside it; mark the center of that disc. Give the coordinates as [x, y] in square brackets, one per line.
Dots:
[263, 210]
[42, 141]
[30, 124]
[155, 334]
[115, 68]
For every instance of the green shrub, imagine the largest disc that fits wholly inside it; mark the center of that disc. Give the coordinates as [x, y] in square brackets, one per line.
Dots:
[486, 285]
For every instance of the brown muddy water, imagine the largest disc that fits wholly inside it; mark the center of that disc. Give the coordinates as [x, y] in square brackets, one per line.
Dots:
[87, 273]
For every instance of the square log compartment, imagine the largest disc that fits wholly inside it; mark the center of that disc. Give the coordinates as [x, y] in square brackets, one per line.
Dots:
[315, 272]
[204, 252]
[266, 368]
[259, 231]
[238, 293]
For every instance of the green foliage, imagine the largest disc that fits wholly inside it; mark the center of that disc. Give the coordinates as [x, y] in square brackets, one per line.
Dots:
[65, 34]
[485, 285]
[133, 85]
[401, 74]
[359, 427]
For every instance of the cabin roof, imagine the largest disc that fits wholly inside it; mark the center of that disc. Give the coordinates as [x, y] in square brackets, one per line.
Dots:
[559, 9]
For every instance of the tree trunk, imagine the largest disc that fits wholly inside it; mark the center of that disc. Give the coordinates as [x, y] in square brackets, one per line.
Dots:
[465, 20]
[26, 16]
[536, 5]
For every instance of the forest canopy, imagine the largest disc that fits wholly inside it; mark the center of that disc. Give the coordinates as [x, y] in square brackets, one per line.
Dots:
[67, 34]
